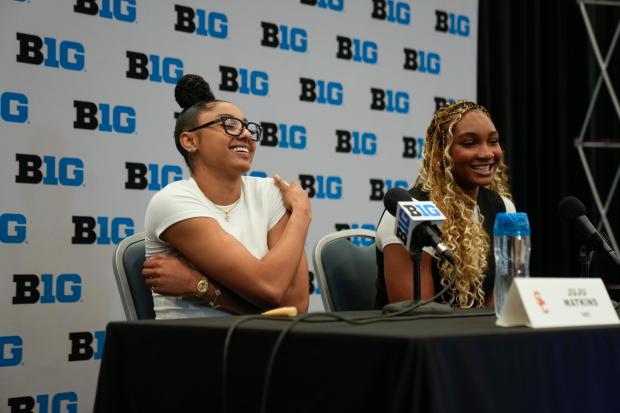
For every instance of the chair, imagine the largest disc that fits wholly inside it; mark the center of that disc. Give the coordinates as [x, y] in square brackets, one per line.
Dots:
[127, 263]
[347, 273]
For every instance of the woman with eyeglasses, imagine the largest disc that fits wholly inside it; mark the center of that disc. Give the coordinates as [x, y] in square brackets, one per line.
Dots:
[464, 175]
[221, 242]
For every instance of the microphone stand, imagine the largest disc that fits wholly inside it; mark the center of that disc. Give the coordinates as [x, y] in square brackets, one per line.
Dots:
[585, 256]
[416, 258]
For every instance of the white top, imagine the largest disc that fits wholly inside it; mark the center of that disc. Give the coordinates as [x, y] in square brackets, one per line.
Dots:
[385, 229]
[259, 209]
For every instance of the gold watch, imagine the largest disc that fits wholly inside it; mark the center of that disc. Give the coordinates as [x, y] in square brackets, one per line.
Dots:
[202, 287]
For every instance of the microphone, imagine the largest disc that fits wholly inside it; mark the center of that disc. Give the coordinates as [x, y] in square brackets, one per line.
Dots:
[572, 210]
[416, 222]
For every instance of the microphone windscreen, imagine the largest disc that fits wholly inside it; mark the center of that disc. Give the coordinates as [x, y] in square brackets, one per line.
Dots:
[570, 208]
[393, 197]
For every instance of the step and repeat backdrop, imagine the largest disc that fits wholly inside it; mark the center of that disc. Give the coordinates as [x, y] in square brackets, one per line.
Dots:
[344, 90]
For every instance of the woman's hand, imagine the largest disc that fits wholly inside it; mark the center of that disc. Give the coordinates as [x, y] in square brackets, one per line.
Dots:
[295, 198]
[170, 275]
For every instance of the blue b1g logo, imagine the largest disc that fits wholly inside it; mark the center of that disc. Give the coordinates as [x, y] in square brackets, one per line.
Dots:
[322, 187]
[451, 23]
[378, 187]
[154, 68]
[387, 100]
[357, 143]
[245, 81]
[334, 5]
[66, 402]
[422, 61]
[413, 147]
[121, 10]
[119, 119]
[321, 91]
[151, 176]
[86, 345]
[283, 136]
[441, 102]
[47, 289]
[391, 11]
[359, 241]
[12, 228]
[14, 107]
[11, 350]
[50, 52]
[209, 24]
[101, 230]
[284, 37]
[65, 171]
[364, 51]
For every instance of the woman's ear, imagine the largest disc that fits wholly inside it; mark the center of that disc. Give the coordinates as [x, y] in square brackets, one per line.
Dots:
[188, 142]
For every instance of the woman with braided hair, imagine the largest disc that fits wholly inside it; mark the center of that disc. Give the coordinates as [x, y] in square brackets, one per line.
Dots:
[464, 174]
[221, 242]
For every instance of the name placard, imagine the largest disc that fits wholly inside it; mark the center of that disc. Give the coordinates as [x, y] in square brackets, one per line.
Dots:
[557, 302]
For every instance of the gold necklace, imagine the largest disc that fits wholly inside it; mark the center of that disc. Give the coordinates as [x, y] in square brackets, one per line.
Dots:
[227, 211]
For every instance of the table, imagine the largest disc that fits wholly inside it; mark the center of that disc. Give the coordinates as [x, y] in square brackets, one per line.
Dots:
[462, 363]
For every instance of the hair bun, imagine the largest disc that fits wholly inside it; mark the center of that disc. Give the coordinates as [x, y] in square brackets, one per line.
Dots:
[192, 89]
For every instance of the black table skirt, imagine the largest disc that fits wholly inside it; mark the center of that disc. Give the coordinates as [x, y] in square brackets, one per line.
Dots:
[463, 363]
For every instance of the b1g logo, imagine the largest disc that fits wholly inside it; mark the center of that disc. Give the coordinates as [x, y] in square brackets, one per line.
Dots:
[391, 11]
[14, 107]
[11, 350]
[422, 61]
[335, 5]
[66, 402]
[389, 100]
[121, 10]
[245, 81]
[413, 147]
[64, 171]
[441, 102]
[364, 51]
[86, 345]
[152, 176]
[47, 289]
[210, 24]
[357, 143]
[284, 37]
[321, 187]
[451, 23]
[118, 119]
[154, 68]
[101, 230]
[378, 187]
[359, 241]
[283, 136]
[321, 91]
[66, 54]
[12, 228]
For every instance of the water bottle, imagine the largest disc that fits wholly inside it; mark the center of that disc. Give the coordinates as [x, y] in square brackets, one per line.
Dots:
[511, 246]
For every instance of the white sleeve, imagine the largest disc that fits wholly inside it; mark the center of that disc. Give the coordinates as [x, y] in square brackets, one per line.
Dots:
[385, 232]
[168, 207]
[275, 203]
[510, 207]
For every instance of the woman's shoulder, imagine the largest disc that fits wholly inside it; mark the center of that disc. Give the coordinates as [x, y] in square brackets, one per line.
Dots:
[174, 189]
[259, 185]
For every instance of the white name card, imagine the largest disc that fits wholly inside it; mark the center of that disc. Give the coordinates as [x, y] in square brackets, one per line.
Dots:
[557, 302]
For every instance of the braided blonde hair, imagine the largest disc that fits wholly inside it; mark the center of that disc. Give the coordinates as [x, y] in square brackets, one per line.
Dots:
[460, 232]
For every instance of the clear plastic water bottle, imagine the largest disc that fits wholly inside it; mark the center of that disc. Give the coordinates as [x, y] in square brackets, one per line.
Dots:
[511, 245]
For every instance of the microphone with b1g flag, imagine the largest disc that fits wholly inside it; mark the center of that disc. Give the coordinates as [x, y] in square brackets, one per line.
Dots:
[416, 222]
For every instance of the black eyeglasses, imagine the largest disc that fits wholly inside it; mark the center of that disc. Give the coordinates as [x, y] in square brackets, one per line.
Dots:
[234, 127]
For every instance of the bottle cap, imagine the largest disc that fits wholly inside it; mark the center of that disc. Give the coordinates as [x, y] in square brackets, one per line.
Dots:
[511, 224]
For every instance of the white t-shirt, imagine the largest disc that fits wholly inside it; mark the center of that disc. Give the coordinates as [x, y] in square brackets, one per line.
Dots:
[259, 209]
[385, 230]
